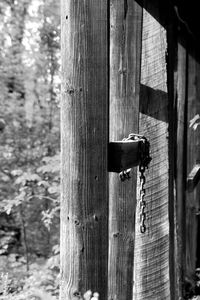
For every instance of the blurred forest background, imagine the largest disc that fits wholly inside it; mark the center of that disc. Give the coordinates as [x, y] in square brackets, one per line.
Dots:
[29, 149]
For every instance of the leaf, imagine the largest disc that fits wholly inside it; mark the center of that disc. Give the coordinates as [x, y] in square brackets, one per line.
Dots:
[193, 121]
[196, 125]
[87, 295]
[51, 164]
[5, 178]
[41, 294]
[27, 177]
[54, 190]
[7, 205]
[43, 183]
[17, 172]
[56, 249]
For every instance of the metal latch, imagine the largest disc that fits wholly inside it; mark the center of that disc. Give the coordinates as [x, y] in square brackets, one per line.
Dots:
[130, 152]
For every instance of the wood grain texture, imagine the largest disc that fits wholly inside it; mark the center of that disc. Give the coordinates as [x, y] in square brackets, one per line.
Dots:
[193, 158]
[84, 131]
[125, 56]
[151, 262]
[172, 96]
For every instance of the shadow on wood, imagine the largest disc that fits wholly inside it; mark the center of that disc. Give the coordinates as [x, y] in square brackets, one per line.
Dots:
[153, 108]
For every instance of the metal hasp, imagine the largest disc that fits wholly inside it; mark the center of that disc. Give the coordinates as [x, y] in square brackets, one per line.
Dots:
[130, 152]
[193, 178]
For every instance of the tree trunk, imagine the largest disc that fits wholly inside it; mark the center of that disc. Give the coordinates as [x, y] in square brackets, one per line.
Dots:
[125, 58]
[84, 130]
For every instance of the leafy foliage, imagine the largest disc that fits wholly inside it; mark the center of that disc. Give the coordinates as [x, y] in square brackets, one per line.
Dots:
[29, 150]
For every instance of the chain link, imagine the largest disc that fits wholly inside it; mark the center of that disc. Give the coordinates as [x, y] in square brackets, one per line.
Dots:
[144, 162]
[142, 202]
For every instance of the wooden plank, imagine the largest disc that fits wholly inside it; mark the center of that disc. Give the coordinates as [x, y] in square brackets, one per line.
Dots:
[193, 159]
[180, 184]
[151, 271]
[172, 96]
[125, 54]
[84, 137]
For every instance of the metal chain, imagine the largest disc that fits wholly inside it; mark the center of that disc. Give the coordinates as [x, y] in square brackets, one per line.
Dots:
[142, 202]
[144, 162]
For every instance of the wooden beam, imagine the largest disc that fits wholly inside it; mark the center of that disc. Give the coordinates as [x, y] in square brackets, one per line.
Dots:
[193, 159]
[180, 184]
[125, 56]
[151, 261]
[84, 138]
[172, 96]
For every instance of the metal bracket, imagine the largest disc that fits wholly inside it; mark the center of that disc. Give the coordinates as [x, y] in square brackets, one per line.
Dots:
[123, 155]
[131, 152]
[193, 178]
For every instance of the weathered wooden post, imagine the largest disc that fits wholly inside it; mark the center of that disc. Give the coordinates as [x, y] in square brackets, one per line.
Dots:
[125, 59]
[84, 137]
[151, 261]
[193, 160]
[184, 70]
[180, 182]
